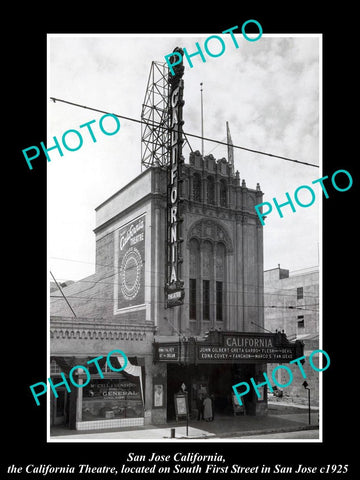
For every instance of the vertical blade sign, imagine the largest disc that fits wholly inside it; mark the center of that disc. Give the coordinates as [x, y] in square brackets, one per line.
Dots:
[174, 288]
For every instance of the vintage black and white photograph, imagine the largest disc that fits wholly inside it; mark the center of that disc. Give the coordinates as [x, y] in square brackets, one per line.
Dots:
[179, 232]
[185, 191]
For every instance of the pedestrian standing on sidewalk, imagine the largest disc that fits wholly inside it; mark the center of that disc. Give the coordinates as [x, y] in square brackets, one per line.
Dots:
[212, 398]
[207, 409]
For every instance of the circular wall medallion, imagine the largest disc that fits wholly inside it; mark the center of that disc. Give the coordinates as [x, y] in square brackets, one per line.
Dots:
[130, 273]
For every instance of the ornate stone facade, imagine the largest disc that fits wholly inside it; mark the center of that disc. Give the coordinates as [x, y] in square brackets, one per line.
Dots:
[222, 271]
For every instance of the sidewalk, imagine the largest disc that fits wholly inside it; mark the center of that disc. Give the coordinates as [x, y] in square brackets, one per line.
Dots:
[281, 418]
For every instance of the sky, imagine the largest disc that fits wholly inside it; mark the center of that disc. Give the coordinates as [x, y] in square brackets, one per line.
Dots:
[268, 90]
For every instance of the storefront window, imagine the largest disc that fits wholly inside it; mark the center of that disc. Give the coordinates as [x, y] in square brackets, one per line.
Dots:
[112, 398]
[54, 368]
[60, 403]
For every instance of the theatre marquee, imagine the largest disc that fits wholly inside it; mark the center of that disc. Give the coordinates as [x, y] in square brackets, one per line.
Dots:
[230, 347]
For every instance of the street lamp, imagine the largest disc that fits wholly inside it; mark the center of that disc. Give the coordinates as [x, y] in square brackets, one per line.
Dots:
[305, 385]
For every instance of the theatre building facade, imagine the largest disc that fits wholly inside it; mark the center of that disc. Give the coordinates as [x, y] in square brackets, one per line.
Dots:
[214, 339]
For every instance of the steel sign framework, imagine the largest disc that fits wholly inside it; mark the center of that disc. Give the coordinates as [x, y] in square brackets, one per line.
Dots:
[162, 139]
[155, 118]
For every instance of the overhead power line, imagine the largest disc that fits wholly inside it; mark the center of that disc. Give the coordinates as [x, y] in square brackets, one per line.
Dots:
[276, 293]
[62, 293]
[186, 134]
[110, 301]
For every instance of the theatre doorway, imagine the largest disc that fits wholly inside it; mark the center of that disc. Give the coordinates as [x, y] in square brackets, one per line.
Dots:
[215, 380]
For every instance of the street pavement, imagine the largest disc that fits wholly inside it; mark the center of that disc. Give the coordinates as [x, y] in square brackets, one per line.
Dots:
[296, 435]
[280, 421]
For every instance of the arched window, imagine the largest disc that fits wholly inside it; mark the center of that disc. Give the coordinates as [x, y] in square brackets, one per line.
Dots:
[220, 281]
[208, 275]
[197, 187]
[223, 193]
[194, 276]
[210, 190]
[210, 251]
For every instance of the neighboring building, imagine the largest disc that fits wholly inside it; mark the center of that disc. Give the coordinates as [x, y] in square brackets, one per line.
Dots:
[54, 286]
[211, 342]
[292, 305]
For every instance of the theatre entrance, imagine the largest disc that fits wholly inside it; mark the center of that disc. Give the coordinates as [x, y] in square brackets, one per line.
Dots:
[213, 379]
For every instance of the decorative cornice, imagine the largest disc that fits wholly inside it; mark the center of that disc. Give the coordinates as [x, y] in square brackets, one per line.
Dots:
[72, 328]
[95, 334]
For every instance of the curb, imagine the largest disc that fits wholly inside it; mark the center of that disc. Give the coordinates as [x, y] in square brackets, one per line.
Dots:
[248, 433]
[270, 430]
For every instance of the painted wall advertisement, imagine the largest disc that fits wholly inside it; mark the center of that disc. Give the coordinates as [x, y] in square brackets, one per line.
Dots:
[131, 264]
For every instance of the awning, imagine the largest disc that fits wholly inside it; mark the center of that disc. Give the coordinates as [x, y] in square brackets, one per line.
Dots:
[133, 371]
